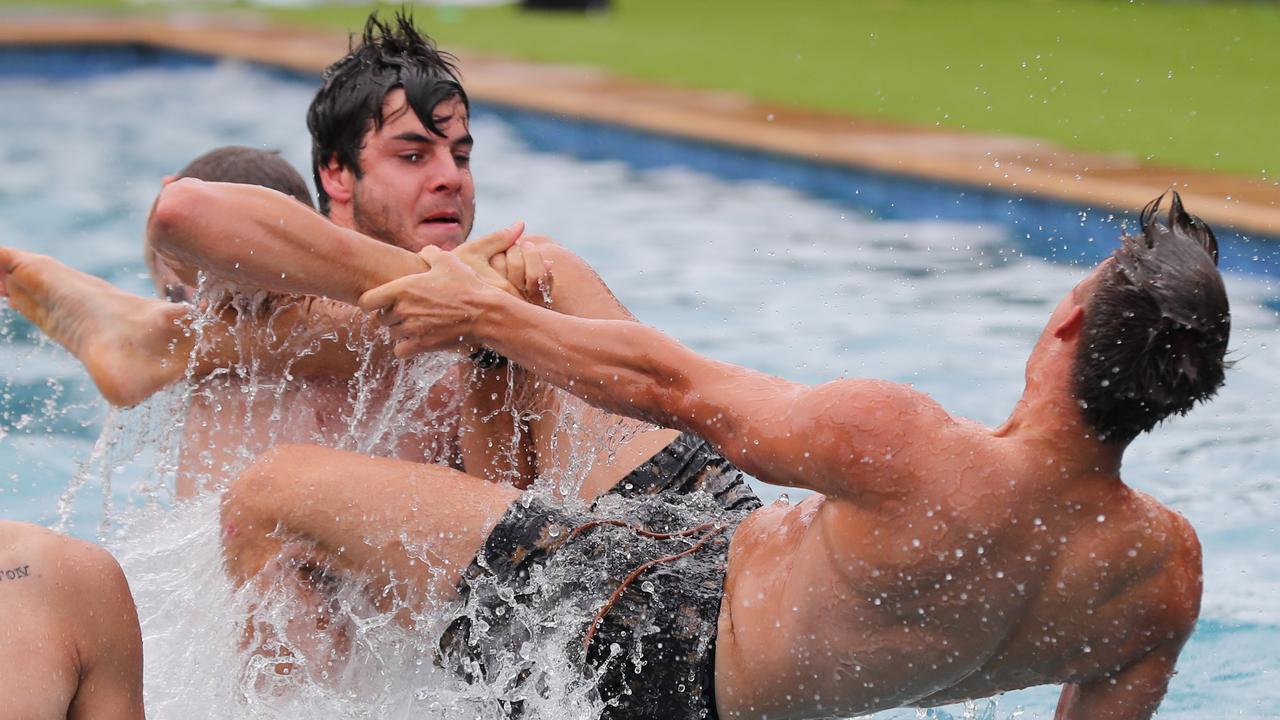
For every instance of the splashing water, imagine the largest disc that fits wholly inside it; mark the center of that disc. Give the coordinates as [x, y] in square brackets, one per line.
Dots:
[368, 663]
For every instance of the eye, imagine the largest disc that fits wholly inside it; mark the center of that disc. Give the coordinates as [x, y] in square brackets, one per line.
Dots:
[411, 157]
[463, 160]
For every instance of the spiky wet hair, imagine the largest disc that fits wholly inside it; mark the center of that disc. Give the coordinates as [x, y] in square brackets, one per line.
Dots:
[1155, 331]
[389, 55]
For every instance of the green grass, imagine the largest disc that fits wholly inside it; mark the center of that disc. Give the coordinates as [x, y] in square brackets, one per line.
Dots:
[1189, 84]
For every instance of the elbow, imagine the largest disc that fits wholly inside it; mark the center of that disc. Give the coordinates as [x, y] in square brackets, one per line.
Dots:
[176, 212]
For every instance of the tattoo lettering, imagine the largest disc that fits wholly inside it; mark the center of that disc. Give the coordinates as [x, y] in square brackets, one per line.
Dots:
[16, 573]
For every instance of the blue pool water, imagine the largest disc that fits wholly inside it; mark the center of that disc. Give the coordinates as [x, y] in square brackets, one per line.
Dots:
[806, 271]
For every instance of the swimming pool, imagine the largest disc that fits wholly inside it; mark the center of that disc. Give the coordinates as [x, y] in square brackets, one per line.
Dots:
[806, 283]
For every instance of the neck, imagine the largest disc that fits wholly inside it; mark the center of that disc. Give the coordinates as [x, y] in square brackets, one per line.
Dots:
[340, 214]
[1048, 415]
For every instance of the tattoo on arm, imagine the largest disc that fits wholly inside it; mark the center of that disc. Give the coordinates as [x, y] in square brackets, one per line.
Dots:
[16, 573]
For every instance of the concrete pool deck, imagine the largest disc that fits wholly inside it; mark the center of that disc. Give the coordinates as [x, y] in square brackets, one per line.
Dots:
[1024, 166]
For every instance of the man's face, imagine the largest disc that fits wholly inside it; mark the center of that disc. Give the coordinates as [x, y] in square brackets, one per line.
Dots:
[416, 189]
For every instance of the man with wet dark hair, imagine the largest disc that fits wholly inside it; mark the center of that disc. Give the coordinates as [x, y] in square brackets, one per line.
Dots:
[939, 561]
[1155, 343]
[390, 56]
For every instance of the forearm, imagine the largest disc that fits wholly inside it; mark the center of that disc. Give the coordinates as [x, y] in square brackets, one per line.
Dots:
[261, 238]
[617, 365]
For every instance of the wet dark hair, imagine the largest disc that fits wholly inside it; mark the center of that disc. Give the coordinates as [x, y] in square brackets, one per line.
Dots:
[390, 55]
[1155, 331]
[249, 166]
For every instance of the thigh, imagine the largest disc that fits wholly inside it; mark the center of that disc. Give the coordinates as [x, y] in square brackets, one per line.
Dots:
[395, 521]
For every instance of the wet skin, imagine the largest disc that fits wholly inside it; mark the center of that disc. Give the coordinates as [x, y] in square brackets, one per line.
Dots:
[938, 561]
[70, 646]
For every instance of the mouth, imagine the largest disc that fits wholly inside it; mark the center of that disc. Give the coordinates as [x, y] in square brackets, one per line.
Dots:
[444, 219]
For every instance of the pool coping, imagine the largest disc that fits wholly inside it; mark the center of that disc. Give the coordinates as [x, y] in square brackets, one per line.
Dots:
[1011, 164]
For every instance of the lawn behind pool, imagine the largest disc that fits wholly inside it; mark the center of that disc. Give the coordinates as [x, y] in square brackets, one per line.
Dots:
[1191, 84]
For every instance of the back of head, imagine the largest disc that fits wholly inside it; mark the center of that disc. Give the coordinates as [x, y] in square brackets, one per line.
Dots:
[230, 164]
[249, 166]
[1155, 331]
[390, 55]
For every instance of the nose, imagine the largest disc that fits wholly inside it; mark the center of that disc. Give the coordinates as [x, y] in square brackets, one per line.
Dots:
[446, 175]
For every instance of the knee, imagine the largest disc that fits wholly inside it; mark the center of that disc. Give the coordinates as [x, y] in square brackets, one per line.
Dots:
[252, 497]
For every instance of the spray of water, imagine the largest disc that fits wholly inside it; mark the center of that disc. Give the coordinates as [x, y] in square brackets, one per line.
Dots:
[274, 648]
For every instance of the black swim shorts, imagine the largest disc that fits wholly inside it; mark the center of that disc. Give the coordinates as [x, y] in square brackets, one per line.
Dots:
[627, 592]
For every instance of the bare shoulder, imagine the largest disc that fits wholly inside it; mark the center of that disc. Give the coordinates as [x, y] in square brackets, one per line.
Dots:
[863, 435]
[576, 288]
[1186, 568]
[873, 410]
[1179, 579]
[67, 569]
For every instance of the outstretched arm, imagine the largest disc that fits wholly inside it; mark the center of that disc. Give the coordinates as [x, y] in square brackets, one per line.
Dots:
[781, 432]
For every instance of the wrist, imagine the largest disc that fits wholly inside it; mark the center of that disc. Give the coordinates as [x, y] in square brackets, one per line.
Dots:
[489, 307]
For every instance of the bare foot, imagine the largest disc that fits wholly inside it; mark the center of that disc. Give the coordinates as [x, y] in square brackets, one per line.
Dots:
[131, 346]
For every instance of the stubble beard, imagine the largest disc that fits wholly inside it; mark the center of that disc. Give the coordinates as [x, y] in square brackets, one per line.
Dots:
[377, 222]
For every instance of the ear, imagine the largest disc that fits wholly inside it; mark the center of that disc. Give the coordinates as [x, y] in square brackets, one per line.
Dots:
[1069, 328]
[338, 181]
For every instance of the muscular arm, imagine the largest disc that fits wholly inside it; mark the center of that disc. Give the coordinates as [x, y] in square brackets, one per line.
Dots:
[261, 238]
[1135, 691]
[781, 432]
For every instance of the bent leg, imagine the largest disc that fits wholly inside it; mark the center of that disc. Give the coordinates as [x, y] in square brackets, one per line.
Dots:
[409, 527]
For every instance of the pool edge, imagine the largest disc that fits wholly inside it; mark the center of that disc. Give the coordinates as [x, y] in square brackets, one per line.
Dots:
[1009, 164]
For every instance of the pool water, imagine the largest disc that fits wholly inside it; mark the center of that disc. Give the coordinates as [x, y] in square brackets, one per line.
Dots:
[748, 271]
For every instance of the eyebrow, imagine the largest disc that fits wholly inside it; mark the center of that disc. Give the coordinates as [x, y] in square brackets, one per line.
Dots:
[420, 138]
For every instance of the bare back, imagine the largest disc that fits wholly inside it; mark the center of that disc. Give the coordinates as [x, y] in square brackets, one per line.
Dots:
[990, 568]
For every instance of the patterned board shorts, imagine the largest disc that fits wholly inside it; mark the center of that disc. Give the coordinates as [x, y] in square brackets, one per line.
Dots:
[642, 571]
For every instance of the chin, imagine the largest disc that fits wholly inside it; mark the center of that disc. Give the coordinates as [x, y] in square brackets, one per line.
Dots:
[444, 240]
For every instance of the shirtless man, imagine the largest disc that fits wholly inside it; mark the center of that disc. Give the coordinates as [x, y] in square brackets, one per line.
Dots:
[937, 561]
[70, 647]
